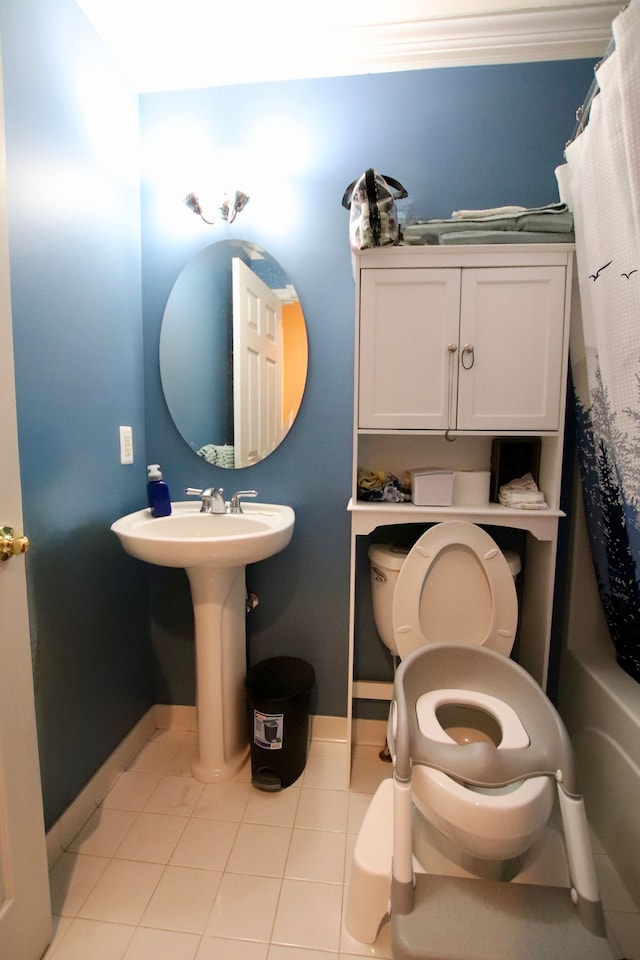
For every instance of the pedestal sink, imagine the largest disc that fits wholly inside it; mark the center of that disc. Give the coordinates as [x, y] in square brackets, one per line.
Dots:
[214, 549]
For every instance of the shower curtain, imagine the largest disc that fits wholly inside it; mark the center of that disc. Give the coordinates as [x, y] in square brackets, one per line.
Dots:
[600, 181]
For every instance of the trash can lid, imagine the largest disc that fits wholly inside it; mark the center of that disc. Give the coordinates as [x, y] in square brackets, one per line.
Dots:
[279, 678]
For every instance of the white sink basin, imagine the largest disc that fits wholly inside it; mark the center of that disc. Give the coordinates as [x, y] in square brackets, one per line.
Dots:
[214, 549]
[189, 538]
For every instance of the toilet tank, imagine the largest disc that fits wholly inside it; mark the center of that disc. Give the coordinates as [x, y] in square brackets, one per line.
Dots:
[385, 563]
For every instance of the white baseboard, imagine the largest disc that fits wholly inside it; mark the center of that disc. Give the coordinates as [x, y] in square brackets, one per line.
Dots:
[172, 717]
[91, 796]
[370, 732]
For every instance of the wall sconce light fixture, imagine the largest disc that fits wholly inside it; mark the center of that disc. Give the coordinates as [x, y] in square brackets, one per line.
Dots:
[228, 209]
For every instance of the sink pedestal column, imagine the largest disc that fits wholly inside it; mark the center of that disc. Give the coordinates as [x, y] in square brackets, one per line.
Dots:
[219, 605]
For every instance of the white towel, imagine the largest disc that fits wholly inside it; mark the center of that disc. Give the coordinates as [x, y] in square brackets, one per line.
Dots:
[490, 212]
[523, 494]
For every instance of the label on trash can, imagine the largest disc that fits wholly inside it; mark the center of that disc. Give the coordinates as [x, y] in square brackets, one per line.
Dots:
[268, 730]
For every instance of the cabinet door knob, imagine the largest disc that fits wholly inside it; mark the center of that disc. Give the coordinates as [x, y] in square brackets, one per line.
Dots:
[467, 357]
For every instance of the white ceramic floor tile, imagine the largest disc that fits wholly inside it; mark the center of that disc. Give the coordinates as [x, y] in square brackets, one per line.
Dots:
[60, 927]
[155, 756]
[278, 809]
[131, 791]
[322, 809]
[278, 952]
[381, 947]
[367, 770]
[169, 735]
[205, 844]
[244, 774]
[182, 900]
[122, 892]
[103, 833]
[358, 806]
[151, 877]
[316, 855]
[216, 948]
[174, 795]
[336, 751]
[94, 940]
[348, 857]
[223, 801]
[308, 915]
[323, 771]
[71, 881]
[244, 908]
[162, 945]
[182, 763]
[260, 850]
[153, 837]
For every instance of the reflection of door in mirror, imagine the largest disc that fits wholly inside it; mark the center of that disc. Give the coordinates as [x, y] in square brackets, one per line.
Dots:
[257, 366]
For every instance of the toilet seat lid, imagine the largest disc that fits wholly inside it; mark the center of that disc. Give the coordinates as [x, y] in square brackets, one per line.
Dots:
[456, 587]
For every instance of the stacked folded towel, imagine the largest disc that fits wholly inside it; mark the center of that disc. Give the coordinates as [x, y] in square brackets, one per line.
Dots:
[523, 494]
[552, 223]
[220, 454]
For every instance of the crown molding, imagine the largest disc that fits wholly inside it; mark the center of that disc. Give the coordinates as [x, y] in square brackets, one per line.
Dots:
[283, 48]
[524, 35]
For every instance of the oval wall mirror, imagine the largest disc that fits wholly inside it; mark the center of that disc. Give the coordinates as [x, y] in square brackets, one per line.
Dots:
[233, 353]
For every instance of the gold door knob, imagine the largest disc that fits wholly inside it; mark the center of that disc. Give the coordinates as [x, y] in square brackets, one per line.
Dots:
[10, 545]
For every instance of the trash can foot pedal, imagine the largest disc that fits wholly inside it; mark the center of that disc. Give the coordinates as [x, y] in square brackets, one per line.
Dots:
[266, 780]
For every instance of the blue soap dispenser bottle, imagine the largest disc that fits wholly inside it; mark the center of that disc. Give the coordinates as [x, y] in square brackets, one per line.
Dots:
[157, 492]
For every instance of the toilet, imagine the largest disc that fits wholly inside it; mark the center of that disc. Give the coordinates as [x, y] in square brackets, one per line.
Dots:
[456, 586]
[473, 814]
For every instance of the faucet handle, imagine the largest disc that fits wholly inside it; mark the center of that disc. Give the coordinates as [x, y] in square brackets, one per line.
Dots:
[193, 491]
[234, 504]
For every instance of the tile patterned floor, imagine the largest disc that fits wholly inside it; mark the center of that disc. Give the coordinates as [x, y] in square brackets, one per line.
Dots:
[172, 869]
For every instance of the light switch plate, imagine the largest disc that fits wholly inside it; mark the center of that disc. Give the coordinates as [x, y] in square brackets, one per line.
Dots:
[126, 445]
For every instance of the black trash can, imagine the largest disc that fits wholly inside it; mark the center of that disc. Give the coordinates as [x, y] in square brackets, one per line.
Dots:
[278, 693]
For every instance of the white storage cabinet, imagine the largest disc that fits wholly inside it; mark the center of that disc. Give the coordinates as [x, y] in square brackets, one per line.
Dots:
[461, 348]
[456, 346]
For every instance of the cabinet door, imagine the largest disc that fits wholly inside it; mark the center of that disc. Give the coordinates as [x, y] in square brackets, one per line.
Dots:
[511, 349]
[408, 320]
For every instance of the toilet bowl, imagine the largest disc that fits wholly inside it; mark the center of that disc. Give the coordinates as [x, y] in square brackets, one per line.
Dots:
[456, 586]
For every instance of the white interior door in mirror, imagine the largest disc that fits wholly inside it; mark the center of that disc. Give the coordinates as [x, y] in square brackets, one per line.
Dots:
[257, 366]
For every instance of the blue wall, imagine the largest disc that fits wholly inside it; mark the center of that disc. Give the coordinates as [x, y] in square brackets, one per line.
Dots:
[89, 285]
[74, 233]
[456, 138]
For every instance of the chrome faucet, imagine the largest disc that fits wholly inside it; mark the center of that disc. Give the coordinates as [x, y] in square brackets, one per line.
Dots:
[235, 505]
[212, 499]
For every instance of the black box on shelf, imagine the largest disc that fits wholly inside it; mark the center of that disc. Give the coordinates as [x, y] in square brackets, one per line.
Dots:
[512, 457]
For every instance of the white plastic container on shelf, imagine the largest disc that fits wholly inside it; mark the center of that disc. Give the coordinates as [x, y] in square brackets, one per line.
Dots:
[431, 487]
